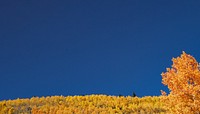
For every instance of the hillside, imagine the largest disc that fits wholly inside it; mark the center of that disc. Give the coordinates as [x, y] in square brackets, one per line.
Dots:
[89, 104]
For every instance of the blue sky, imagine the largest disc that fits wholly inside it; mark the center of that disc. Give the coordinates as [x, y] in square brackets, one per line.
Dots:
[78, 47]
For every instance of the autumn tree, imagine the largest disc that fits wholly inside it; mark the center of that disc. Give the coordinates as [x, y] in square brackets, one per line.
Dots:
[183, 81]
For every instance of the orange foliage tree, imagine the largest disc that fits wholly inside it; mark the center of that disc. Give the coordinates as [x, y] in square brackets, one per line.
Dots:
[183, 81]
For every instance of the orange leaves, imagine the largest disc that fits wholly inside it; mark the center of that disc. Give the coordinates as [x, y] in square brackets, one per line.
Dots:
[183, 81]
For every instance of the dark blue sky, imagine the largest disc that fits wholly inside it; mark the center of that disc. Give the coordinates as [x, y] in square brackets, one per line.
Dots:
[76, 47]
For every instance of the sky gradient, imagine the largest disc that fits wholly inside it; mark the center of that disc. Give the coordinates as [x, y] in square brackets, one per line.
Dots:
[78, 47]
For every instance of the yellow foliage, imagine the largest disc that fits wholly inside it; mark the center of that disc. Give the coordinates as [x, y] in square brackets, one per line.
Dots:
[89, 104]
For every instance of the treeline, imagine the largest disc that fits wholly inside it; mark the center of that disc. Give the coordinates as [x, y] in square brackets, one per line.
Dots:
[89, 104]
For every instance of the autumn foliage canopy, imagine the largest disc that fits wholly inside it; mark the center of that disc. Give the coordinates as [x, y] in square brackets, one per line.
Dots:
[183, 81]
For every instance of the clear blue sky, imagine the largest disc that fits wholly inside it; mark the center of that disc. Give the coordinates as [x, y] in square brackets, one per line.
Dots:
[77, 47]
